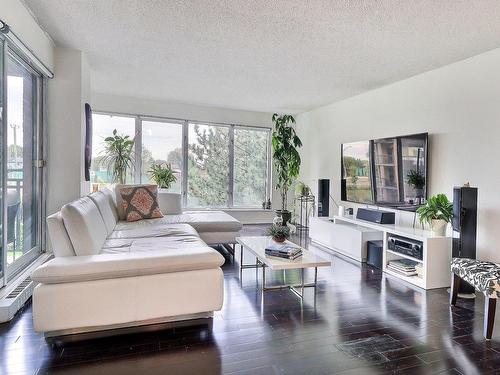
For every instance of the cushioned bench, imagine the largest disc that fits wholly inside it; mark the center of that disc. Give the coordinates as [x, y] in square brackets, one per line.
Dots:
[485, 278]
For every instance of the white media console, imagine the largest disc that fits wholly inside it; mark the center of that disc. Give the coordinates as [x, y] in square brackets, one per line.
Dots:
[348, 236]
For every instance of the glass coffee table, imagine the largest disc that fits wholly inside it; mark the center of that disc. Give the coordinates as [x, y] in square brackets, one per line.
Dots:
[257, 246]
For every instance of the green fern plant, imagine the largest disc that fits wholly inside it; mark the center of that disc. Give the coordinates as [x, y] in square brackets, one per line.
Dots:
[437, 207]
[163, 175]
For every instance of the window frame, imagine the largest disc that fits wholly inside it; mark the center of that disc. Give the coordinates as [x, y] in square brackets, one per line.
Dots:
[139, 118]
[13, 51]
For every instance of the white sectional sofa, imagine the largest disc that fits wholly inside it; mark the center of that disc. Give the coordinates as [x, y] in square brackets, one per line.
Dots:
[109, 273]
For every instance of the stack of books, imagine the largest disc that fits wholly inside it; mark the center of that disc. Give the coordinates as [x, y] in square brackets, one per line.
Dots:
[404, 267]
[285, 251]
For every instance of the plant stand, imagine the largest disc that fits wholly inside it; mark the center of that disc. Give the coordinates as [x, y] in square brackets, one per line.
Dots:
[306, 203]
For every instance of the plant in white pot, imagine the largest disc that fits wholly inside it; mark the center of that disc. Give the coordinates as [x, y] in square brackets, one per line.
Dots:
[437, 212]
[163, 175]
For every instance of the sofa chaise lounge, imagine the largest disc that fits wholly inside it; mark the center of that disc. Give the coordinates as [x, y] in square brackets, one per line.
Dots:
[108, 273]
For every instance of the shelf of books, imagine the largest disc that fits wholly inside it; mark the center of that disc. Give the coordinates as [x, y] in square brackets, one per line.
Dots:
[405, 267]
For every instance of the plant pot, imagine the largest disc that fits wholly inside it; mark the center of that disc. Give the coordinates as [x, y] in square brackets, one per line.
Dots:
[285, 216]
[279, 239]
[438, 227]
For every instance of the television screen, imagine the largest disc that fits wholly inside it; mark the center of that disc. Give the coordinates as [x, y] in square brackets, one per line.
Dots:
[387, 172]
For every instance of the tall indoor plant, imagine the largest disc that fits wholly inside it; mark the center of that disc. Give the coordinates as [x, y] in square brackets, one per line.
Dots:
[118, 156]
[437, 212]
[286, 158]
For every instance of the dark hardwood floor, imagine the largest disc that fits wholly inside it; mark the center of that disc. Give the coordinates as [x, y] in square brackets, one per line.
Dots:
[357, 322]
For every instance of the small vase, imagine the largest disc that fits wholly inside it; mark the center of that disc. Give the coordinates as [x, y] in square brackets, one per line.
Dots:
[438, 227]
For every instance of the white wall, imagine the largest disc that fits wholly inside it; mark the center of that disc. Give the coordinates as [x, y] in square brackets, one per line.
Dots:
[22, 23]
[151, 107]
[67, 93]
[459, 105]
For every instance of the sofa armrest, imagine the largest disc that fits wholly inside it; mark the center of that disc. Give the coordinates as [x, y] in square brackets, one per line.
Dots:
[111, 266]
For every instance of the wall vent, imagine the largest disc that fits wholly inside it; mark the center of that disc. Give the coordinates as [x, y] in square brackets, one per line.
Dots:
[19, 289]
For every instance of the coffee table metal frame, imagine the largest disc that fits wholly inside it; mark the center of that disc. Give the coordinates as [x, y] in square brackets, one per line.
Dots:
[293, 287]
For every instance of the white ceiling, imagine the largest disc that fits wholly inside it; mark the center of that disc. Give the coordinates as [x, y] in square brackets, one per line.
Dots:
[265, 55]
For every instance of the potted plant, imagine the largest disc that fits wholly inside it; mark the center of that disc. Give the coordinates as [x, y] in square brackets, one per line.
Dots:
[279, 233]
[118, 156]
[163, 175]
[437, 212]
[302, 190]
[416, 179]
[286, 159]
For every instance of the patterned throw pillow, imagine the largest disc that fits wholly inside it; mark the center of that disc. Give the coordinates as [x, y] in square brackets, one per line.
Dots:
[140, 202]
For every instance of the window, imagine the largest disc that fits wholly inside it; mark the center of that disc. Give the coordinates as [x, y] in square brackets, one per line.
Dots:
[216, 165]
[250, 167]
[21, 194]
[102, 127]
[162, 144]
[208, 166]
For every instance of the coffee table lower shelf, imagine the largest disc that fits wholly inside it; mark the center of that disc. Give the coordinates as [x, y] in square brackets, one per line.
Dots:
[297, 289]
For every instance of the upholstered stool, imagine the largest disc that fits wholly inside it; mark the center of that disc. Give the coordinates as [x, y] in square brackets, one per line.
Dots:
[485, 278]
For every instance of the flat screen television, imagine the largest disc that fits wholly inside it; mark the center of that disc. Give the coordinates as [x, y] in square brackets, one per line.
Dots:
[388, 172]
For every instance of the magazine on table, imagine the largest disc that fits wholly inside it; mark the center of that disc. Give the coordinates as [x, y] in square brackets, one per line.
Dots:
[286, 249]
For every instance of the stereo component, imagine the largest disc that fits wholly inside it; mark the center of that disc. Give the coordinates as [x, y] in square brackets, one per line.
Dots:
[406, 246]
[376, 216]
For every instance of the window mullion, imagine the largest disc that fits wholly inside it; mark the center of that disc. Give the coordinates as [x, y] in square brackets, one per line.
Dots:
[138, 150]
[231, 167]
[185, 162]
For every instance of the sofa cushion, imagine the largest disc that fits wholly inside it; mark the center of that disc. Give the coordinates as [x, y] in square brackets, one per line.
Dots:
[119, 200]
[136, 245]
[140, 202]
[103, 199]
[61, 243]
[112, 266]
[85, 226]
[150, 228]
[170, 203]
[206, 221]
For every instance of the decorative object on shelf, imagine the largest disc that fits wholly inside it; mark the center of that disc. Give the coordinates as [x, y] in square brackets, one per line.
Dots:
[264, 205]
[302, 190]
[416, 179]
[285, 143]
[349, 211]
[163, 175]
[118, 156]
[437, 212]
[279, 232]
[341, 211]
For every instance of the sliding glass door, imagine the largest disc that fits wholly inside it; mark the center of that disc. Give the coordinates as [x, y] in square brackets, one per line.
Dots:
[22, 180]
[3, 253]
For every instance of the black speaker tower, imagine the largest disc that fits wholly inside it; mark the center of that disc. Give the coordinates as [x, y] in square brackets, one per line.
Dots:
[324, 197]
[464, 225]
